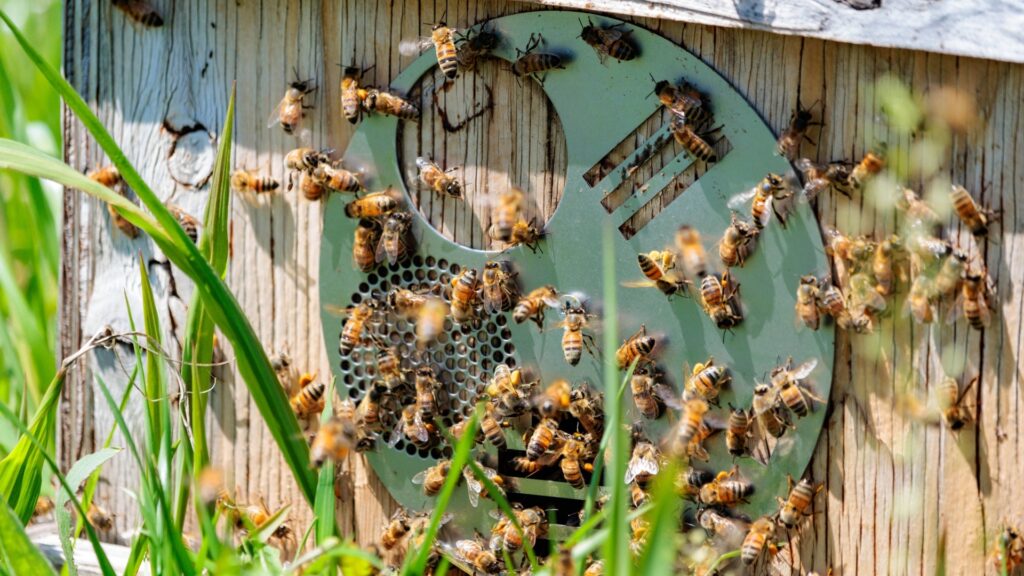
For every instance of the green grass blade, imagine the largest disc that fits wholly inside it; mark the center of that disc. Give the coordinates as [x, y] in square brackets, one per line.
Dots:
[16, 550]
[323, 507]
[101, 556]
[661, 548]
[78, 473]
[27, 334]
[21, 471]
[156, 384]
[355, 561]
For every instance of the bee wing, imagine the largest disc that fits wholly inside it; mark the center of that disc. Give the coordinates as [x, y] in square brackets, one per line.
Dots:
[639, 284]
[738, 200]
[336, 310]
[275, 114]
[473, 490]
[668, 396]
[639, 465]
[420, 477]
[804, 370]
[413, 46]
[551, 302]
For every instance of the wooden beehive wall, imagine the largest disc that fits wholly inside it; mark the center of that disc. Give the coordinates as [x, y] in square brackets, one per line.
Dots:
[893, 490]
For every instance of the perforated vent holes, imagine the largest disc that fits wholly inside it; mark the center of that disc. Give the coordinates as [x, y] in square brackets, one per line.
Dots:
[463, 356]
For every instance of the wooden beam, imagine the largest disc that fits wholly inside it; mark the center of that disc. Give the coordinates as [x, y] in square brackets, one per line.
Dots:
[981, 28]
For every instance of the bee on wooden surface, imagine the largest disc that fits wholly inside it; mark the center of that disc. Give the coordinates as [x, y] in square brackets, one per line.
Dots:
[530, 63]
[140, 11]
[258, 515]
[643, 387]
[719, 299]
[475, 45]
[609, 41]
[247, 181]
[337, 179]
[375, 100]
[764, 200]
[533, 305]
[442, 39]
[473, 557]
[950, 274]
[919, 299]
[798, 504]
[728, 531]
[587, 406]
[543, 438]
[504, 214]
[726, 489]
[351, 92]
[438, 180]
[187, 222]
[758, 540]
[796, 132]
[303, 159]
[312, 190]
[430, 320]
[575, 337]
[862, 296]
[1007, 550]
[111, 178]
[554, 400]
[886, 265]
[289, 111]
[769, 414]
[100, 518]
[691, 418]
[807, 301]
[427, 388]
[694, 143]
[644, 463]
[394, 239]
[820, 179]
[951, 398]
[309, 400]
[738, 431]
[973, 216]
[854, 252]
[395, 530]
[575, 452]
[475, 488]
[498, 288]
[364, 244]
[637, 347]
[921, 218]
[432, 479]
[352, 331]
[832, 302]
[374, 205]
[706, 381]
[465, 291]
[738, 242]
[657, 266]
[866, 169]
[107, 176]
[789, 383]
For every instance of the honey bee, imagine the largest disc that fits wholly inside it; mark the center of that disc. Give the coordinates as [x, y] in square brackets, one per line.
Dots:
[862, 294]
[412, 427]
[140, 11]
[587, 406]
[608, 41]
[595, 568]
[706, 381]
[820, 179]
[797, 505]
[257, 515]
[368, 412]
[719, 300]
[309, 400]
[312, 190]
[789, 384]
[543, 438]
[505, 380]
[950, 274]
[730, 532]
[395, 530]
[690, 421]
[807, 301]
[554, 400]
[693, 258]
[529, 467]
[337, 179]
[498, 288]
[867, 168]
[918, 302]
[644, 463]
[111, 178]
[465, 287]
[394, 240]
[443, 39]
[530, 63]
[475, 488]
[758, 540]
[534, 523]
[352, 331]
[769, 414]
[289, 112]
[683, 101]
[491, 427]
[525, 234]
[438, 180]
[921, 218]
[351, 93]
[389, 104]
[427, 388]
[726, 489]
[44, 506]
[975, 298]
[637, 347]
[738, 242]
[643, 387]
[406, 303]
[187, 222]
[832, 302]
[374, 205]
[364, 244]
[638, 496]
[430, 320]
[973, 216]
[853, 252]
[432, 479]
[574, 338]
[250, 182]
[475, 45]
[639, 529]
[691, 480]
[534, 304]
[951, 399]
[794, 135]
[303, 160]
[656, 266]
[334, 440]
[473, 557]
[99, 517]
[1007, 551]
[738, 431]
[575, 450]
[886, 262]
[505, 214]
[694, 143]
[765, 195]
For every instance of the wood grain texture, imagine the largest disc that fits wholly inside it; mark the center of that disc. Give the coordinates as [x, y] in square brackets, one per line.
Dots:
[893, 488]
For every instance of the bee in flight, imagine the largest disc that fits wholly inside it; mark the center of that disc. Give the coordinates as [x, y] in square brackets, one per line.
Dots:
[530, 63]
[438, 180]
[383, 102]
[658, 267]
[608, 41]
[290, 110]
[442, 38]
[533, 305]
[765, 197]
[246, 181]
[504, 215]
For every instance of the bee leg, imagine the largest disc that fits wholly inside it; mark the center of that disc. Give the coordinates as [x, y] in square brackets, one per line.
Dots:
[588, 343]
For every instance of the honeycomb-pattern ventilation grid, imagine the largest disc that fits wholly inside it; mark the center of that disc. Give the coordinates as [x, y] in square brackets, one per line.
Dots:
[463, 356]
